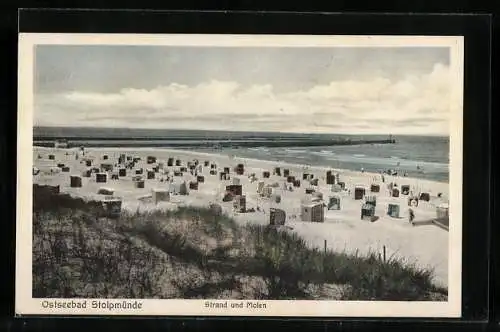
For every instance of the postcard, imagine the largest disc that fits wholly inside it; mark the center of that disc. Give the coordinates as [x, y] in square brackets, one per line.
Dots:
[239, 175]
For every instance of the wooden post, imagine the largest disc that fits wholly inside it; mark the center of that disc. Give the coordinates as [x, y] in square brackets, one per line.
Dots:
[325, 246]
[384, 253]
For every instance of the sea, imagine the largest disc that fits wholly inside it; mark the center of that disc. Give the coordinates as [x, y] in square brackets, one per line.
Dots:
[425, 157]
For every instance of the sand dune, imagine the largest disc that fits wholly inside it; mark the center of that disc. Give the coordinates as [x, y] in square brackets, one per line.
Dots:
[342, 229]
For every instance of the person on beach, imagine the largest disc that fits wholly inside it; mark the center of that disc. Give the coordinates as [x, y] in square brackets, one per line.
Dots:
[411, 215]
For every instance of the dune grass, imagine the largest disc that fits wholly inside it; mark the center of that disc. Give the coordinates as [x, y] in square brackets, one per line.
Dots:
[193, 252]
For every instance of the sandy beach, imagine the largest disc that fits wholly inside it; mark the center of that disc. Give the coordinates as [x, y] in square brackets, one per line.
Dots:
[343, 230]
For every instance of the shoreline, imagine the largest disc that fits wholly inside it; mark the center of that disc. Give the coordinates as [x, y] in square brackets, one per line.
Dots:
[348, 172]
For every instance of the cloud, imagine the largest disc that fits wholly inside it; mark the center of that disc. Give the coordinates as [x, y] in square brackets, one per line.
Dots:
[416, 104]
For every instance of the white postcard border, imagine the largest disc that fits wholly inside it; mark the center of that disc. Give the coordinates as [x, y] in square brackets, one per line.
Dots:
[26, 305]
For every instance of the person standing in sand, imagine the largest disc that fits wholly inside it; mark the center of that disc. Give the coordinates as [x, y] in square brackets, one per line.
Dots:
[411, 215]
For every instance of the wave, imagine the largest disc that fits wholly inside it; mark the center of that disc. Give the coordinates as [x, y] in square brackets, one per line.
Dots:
[259, 149]
[323, 153]
[295, 151]
[390, 162]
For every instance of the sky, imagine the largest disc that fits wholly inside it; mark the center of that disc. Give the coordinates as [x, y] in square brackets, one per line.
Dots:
[343, 90]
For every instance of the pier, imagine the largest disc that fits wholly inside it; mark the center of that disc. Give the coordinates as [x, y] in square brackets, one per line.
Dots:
[198, 143]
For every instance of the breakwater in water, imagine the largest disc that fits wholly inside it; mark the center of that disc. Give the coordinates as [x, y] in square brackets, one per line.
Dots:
[197, 143]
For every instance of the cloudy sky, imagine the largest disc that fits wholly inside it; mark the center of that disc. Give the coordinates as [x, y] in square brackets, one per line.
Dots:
[318, 90]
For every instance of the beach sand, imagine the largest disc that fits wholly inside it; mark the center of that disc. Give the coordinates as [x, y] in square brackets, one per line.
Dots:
[343, 229]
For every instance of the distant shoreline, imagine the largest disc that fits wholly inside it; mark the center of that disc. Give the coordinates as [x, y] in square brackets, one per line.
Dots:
[197, 142]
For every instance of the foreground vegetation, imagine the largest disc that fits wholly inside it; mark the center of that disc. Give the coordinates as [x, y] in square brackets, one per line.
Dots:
[197, 253]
